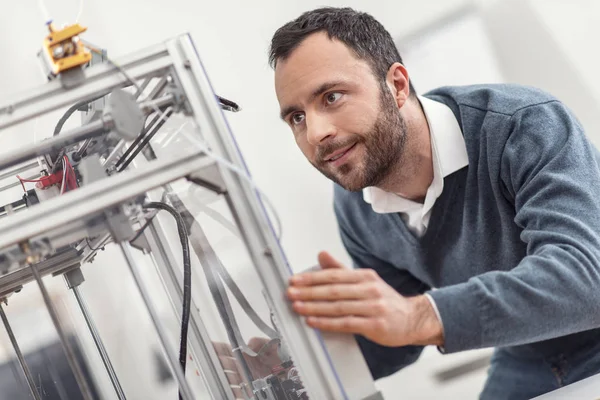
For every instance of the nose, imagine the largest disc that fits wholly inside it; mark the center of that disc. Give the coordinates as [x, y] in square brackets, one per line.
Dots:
[319, 128]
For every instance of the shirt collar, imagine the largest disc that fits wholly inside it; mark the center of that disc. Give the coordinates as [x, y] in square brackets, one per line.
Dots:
[449, 154]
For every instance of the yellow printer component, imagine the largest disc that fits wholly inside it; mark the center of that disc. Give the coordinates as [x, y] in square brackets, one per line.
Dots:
[64, 50]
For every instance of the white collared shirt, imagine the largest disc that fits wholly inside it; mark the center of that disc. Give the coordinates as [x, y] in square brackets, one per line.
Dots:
[449, 154]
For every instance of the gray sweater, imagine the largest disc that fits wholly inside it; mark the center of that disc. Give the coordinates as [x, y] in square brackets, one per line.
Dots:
[513, 243]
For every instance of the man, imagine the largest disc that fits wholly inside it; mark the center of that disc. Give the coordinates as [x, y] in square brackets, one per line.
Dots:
[471, 213]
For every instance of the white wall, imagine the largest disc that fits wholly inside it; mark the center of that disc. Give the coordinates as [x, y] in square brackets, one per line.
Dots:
[574, 26]
[549, 45]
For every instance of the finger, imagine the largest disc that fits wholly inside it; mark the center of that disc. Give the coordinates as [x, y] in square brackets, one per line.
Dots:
[233, 378]
[353, 324]
[237, 392]
[228, 363]
[222, 349]
[331, 292]
[337, 275]
[326, 260]
[257, 343]
[338, 308]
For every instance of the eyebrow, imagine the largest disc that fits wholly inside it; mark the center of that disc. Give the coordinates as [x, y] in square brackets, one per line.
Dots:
[317, 92]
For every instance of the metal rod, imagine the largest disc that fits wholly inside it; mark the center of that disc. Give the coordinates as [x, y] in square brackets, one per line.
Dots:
[157, 90]
[22, 363]
[17, 374]
[55, 143]
[72, 360]
[184, 388]
[84, 147]
[102, 77]
[113, 156]
[142, 87]
[99, 344]
[94, 246]
[17, 183]
[79, 204]
[14, 172]
[54, 375]
[149, 106]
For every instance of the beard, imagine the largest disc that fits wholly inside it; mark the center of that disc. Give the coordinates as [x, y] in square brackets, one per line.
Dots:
[383, 147]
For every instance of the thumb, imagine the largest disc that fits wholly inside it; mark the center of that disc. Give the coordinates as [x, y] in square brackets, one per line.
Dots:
[326, 261]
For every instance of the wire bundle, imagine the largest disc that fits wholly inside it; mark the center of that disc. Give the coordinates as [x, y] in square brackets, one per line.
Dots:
[187, 276]
[69, 181]
[143, 139]
[26, 180]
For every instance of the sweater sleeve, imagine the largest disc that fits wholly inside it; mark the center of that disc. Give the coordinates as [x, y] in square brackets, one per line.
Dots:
[382, 360]
[550, 172]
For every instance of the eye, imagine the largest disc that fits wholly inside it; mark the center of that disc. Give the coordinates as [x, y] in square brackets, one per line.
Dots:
[297, 118]
[333, 97]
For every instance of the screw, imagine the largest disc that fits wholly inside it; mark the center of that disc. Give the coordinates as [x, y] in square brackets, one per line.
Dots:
[187, 64]
[58, 52]
[268, 252]
[32, 259]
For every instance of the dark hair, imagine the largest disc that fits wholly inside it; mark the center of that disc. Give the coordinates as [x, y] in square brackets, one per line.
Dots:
[361, 32]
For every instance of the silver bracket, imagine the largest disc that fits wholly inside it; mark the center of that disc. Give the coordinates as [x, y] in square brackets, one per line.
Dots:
[263, 390]
[210, 178]
[72, 77]
[117, 218]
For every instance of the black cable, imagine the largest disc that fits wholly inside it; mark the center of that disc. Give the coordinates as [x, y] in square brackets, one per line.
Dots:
[215, 278]
[145, 141]
[208, 258]
[187, 277]
[61, 154]
[90, 245]
[70, 112]
[228, 104]
[64, 118]
[222, 272]
[206, 185]
[142, 229]
[137, 140]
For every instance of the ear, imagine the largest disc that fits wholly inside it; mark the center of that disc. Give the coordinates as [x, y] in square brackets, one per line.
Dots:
[398, 81]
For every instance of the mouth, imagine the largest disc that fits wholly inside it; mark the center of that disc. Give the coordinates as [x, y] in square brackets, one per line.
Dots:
[340, 156]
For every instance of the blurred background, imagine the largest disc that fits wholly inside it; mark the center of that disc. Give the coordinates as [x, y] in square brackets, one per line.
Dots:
[550, 44]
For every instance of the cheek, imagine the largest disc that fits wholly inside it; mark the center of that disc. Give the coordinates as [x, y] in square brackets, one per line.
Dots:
[356, 118]
[307, 149]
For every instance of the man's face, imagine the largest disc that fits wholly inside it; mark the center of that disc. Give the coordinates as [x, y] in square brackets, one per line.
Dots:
[346, 124]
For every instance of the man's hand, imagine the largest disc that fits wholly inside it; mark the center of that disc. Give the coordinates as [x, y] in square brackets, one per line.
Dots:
[259, 366]
[338, 299]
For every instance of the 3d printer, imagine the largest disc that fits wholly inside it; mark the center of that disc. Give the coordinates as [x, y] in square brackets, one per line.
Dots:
[152, 147]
